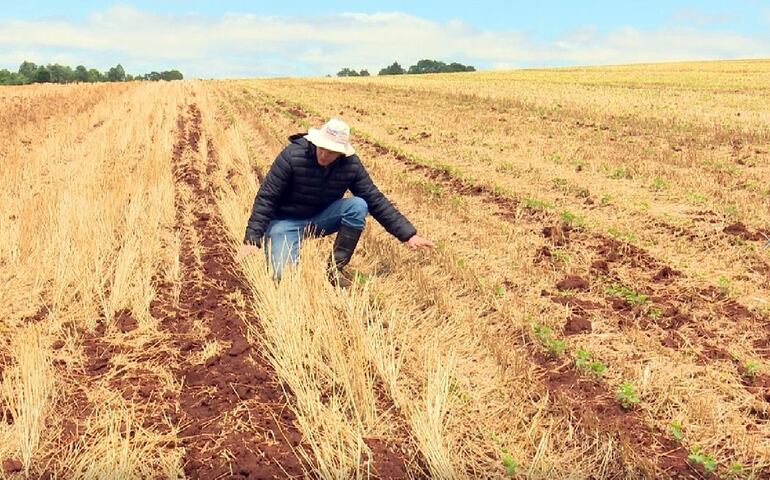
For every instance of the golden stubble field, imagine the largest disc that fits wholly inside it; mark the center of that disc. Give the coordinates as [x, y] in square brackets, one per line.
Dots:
[598, 305]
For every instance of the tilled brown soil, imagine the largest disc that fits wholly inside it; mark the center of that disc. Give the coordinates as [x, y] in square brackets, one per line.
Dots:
[234, 419]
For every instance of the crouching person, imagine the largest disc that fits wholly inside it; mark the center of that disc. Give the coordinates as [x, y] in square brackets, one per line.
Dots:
[302, 195]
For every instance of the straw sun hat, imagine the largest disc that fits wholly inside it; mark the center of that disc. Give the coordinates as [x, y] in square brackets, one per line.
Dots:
[334, 135]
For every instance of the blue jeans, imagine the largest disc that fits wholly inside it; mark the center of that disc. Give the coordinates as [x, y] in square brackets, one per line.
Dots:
[284, 235]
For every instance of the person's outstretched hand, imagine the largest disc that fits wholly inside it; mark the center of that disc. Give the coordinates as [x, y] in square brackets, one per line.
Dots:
[417, 241]
[245, 251]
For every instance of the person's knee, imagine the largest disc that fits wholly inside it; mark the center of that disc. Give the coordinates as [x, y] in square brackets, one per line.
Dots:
[358, 208]
[283, 245]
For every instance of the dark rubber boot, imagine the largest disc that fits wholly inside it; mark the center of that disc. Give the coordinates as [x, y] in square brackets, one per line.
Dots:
[344, 246]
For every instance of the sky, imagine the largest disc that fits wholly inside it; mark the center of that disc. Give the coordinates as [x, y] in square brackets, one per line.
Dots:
[228, 39]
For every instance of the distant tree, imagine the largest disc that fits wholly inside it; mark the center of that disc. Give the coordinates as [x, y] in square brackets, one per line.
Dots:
[12, 78]
[42, 75]
[116, 74]
[436, 66]
[169, 75]
[60, 73]
[80, 74]
[428, 66]
[5, 77]
[28, 70]
[347, 72]
[394, 69]
[95, 75]
[459, 67]
[55, 73]
[364, 73]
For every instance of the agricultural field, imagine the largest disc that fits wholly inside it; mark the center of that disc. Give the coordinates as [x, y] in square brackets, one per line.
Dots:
[598, 304]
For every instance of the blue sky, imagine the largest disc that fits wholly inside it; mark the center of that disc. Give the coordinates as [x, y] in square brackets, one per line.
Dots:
[240, 38]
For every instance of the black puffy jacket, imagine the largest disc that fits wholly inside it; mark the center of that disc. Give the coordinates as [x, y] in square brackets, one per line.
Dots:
[298, 187]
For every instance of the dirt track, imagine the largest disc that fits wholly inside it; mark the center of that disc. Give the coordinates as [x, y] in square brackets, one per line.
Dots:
[234, 420]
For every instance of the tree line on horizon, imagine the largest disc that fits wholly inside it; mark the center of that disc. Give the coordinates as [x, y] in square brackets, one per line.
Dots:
[55, 73]
[423, 66]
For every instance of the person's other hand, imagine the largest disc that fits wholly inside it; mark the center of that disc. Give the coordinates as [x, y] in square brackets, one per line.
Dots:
[417, 241]
[245, 251]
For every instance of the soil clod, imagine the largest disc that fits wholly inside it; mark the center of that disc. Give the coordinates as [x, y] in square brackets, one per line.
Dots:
[573, 282]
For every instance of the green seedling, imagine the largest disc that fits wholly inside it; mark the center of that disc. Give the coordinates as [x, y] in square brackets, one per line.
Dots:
[582, 358]
[675, 430]
[584, 361]
[432, 188]
[751, 368]
[569, 218]
[627, 395]
[630, 296]
[696, 198]
[542, 332]
[500, 291]
[449, 169]
[511, 466]
[554, 346]
[706, 461]
[560, 182]
[654, 312]
[614, 232]
[658, 184]
[469, 180]
[362, 278]
[724, 285]
[560, 255]
[605, 199]
[731, 210]
[629, 237]
[456, 390]
[735, 470]
[620, 173]
[535, 204]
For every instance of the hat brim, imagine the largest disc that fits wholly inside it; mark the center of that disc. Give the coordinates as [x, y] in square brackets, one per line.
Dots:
[316, 138]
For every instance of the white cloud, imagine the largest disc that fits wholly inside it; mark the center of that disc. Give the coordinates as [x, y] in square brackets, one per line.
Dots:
[250, 45]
